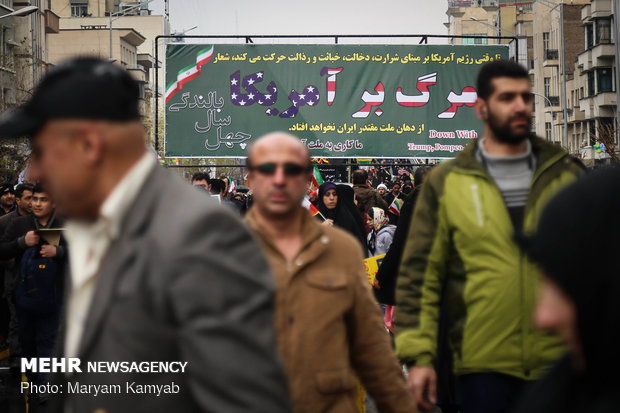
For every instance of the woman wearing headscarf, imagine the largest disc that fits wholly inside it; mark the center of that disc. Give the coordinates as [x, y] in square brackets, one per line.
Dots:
[381, 232]
[576, 247]
[336, 204]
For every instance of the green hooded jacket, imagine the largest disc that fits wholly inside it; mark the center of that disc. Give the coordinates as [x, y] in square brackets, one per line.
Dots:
[461, 249]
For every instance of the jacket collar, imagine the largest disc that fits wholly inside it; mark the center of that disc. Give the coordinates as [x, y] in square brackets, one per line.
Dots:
[311, 231]
[543, 151]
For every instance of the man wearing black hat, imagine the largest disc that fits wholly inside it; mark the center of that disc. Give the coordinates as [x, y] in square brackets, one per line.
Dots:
[7, 199]
[147, 279]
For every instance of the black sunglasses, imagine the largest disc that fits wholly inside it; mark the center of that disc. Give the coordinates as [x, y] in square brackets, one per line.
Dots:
[290, 169]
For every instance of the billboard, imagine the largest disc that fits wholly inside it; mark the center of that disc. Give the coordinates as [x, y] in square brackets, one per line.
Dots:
[342, 101]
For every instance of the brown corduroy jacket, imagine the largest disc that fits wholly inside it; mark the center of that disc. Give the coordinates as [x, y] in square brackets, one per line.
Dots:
[328, 326]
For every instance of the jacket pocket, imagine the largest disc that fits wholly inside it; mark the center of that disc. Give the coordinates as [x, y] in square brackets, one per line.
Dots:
[334, 381]
[327, 281]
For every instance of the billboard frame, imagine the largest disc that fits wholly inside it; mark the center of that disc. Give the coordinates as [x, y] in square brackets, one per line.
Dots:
[249, 39]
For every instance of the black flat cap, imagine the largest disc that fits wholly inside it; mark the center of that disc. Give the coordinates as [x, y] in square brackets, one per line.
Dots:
[82, 88]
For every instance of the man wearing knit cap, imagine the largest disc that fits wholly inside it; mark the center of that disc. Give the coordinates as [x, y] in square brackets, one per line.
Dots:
[461, 259]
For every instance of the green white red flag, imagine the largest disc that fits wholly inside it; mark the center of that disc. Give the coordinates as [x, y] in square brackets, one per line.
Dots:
[190, 72]
[317, 179]
[396, 206]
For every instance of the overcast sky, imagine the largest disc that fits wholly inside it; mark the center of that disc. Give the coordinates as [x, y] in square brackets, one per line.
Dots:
[306, 17]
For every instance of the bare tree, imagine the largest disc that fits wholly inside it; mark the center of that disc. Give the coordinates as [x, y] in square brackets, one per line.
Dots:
[606, 135]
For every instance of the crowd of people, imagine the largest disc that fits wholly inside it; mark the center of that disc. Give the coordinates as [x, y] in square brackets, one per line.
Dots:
[482, 295]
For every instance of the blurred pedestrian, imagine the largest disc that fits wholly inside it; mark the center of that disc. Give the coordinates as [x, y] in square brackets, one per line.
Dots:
[329, 329]
[149, 281]
[576, 246]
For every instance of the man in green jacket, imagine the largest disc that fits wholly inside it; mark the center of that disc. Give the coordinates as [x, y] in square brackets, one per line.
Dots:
[461, 255]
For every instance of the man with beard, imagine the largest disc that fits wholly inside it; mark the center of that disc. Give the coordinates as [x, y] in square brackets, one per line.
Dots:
[7, 199]
[461, 259]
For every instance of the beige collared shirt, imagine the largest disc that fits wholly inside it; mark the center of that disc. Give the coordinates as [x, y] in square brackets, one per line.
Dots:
[88, 243]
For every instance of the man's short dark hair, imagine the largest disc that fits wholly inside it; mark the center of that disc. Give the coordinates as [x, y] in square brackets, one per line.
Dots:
[38, 189]
[217, 185]
[19, 191]
[359, 177]
[200, 176]
[495, 69]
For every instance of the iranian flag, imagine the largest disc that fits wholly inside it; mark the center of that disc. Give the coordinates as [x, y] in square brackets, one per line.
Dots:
[231, 185]
[311, 208]
[396, 206]
[190, 72]
[317, 179]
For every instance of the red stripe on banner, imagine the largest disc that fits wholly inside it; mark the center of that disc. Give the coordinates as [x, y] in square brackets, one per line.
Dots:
[204, 61]
[423, 86]
[331, 86]
[187, 79]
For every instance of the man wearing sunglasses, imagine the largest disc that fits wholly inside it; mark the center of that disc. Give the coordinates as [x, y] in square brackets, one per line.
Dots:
[327, 324]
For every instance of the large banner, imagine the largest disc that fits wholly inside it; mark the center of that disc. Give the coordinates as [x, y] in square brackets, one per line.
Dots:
[342, 101]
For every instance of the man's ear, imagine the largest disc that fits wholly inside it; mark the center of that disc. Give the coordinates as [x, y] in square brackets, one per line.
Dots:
[91, 143]
[480, 107]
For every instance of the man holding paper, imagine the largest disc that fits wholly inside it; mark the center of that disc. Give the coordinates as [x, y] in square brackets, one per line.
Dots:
[35, 243]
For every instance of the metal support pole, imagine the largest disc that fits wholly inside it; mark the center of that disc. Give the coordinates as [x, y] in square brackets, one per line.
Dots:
[110, 34]
[616, 17]
[564, 98]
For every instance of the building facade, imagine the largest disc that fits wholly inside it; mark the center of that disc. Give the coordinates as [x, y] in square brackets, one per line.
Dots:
[593, 92]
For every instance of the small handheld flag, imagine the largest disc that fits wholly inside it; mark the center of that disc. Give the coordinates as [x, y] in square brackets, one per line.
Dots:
[317, 179]
[313, 210]
[396, 206]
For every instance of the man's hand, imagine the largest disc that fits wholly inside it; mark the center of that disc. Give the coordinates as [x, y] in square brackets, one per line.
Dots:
[376, 284]
[423, 379]
[32, 238]
[48, 251]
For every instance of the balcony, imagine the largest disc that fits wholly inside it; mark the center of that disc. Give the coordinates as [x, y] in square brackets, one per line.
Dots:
[600, 8]
[575, 115]
[138, 73]
[604, 99]
[551, 58]
[554, 100]
[52, 22]
[603, 51]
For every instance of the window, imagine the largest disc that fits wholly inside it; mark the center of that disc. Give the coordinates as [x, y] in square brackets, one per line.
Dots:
[603, 31]
[548, 131]
[545, 42]
[547, 86]
[479, 39]
[604, 80]
[591, 90]
[589, 36]
[79, 10]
